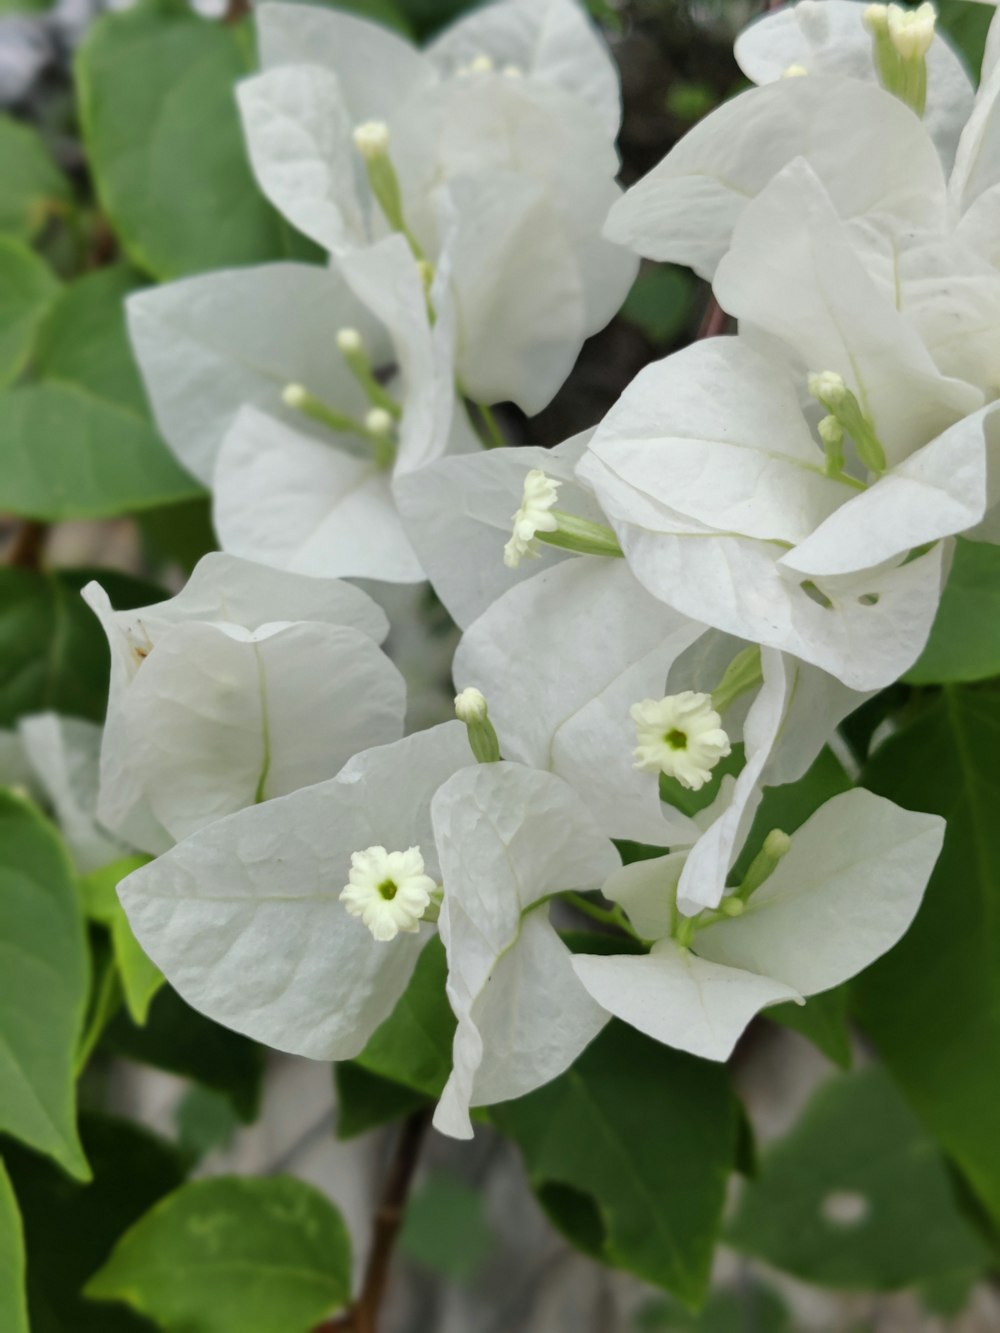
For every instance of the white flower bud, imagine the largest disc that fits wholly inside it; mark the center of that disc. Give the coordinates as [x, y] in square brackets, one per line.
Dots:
[831, 432]
[532, 517]
[371, 138]
[470, 705]
[794, 72]
[350, 342]
[680, 736]
[389, 891]
[828, 387]
[876, 18]
[379, 422]
[294, 396]
[481, 64]
[911, 31]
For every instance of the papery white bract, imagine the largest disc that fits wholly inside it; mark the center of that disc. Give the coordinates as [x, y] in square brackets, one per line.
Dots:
[513, 176]
[248, 684]
[845, 893]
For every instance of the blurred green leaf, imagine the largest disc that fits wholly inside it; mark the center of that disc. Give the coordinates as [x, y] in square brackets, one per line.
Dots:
[157, 103]
[857, 1195]
[32, 182]
[631, 1151]
[181, 532]
[365, 1101]
[966, 24]
[445, 1228]
[233, 1255]
[27, 289]
[78, 442]
[43, 985]
[70, 1228]
[205, 1121]
[140, 977]
[750, 1308]
[660, 302]
[965, 639]
[13, 1304]
[182, 1041]
[53, 652]
[932, 1005]
[823, 1019]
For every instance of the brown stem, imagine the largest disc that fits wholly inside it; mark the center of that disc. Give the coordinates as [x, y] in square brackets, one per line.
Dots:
[28, 547]
[714, 321]
[363, 1316]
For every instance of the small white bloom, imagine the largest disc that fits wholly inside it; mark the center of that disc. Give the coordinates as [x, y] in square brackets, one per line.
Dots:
[470, 705]
[350, 342]
[388, 891]
[876, 18]
[911, 31]
[371, 139]
[533, 517]
[681, 736]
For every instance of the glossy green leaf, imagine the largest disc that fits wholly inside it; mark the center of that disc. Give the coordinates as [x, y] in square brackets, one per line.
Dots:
[28, 288]
[13, 1304]
[857, 1195]
[140, 977]
[53, 652]
[78, 442]
[70, 1229]
[177, 1038]
[232, 1255]
[932, 1005]
[32, 183]
[156, 96]
[413, 1045]
[965, 638]
[43, 985]
[365, 1100]
[631, 1151]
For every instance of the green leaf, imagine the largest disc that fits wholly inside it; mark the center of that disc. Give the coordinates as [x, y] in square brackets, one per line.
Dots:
[182, 1041]
[445, 1228]
[823, 1019]
[156, 99]
[27, 289]
[205, 1121]
[43, 985]
[413, 1045]
[752, 1308]
[233, 1255]
[932, 1005]
[32, 182]
[966, 24]
[659, 304]
[78, 442]
[857, 1195]
[70, 1229]
[53, 652]
[965, 638]
[693, 802]
[365, 1101]
[631, 1151]
[13, 1306]
[140, 977]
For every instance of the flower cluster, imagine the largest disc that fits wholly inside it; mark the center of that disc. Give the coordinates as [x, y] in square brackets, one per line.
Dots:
[660, 618]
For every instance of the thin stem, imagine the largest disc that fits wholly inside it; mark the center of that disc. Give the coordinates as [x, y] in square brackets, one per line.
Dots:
[607, 916]
[486, 426]
[107, 999]
[28, 547]
[714, 322]
[363, 1316]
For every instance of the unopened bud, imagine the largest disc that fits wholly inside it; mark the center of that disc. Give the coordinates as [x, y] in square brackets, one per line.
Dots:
[470, 708]
[295, 396]
[371, 139]
[794, 72]
[776, 845]
[379, 422]
[470, 705]
[350, 342]
[481, 64]
[828, 388]
[911, 31]
[876, 18]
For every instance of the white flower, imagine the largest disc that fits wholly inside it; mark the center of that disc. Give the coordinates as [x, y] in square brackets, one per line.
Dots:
[912, 31]
[845, 892]
[504, 181]
[680, 735]
[533, 516]
[389, 891]
[250, 683]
